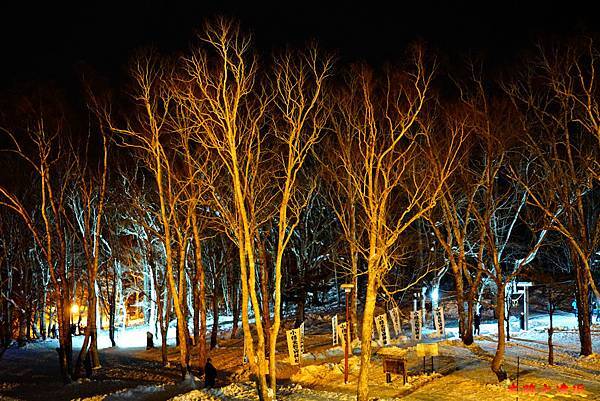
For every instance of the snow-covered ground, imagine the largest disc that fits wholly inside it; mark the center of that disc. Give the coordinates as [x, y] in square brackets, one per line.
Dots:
[129, 372]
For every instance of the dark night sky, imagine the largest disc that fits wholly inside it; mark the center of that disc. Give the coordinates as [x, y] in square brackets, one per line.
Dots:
[48, 41]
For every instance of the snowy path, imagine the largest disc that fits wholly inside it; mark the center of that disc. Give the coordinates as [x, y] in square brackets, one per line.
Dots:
[463, 373]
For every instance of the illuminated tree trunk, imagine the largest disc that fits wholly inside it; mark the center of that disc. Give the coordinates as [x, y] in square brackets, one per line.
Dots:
[42, 315]
[354, 272]
[112, 307]
[464, 325]
[498, 361]
[367, 330]
[215, 311]
[583, 306]
[65, 350]
[264, 286]
[165, 319]
[235, 301]
[199, 296]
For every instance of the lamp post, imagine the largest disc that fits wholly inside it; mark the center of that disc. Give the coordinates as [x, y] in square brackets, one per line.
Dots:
[74, 310]
[347, 289]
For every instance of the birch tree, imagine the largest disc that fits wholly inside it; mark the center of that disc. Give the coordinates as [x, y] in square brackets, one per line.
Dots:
[51, 164]
[381, 123]
[150, 138]
[559, 100]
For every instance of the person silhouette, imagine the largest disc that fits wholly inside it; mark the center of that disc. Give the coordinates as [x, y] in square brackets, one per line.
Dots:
[210, 374]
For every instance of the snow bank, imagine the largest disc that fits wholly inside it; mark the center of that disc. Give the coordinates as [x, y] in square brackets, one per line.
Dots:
[247, 392]
[148, 392]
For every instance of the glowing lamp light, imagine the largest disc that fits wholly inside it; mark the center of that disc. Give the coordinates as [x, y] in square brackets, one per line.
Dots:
[74, 308]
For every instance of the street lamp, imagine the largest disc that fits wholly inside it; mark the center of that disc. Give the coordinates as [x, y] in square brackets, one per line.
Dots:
[347, 289]
[74, 310]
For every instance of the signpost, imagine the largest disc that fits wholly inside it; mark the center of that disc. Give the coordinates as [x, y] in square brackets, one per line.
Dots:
[382, 329]
[522, 288]
[425, 350]
[416, 324]
[294, 341]
[341, 331]
[395, 316]
[334, 333]
[438, 318]
[347, 289]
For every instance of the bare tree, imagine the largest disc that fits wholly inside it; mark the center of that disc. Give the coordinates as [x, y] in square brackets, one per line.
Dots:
[51, 163]
[452, 220]
[150, 139]
[380, 122]
[558, 97]
[88, 208]
[228, 106]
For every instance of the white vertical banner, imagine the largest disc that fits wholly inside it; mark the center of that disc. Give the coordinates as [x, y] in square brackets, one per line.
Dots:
[395, 316]
[382, 329]
[334, 334]
[341, 330]
[302, 329]
[416, 324]
[293, 341]
[438, 318]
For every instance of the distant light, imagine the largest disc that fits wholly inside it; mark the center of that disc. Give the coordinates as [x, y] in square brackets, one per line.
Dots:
[74, 308]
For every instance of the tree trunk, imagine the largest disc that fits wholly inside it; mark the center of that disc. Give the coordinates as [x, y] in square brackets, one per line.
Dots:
[507, 308]
[199, 298]
[112, 309]
[264, 288]
[65, 349]
[367, 329]
[90, 343]
[235, 300]
[583, 306]
[215, 311]
[92, 324]
[165, 317]
[497, 362]
[43, 313]
[465, 328]
[354, 293]
[468, 324]
[300, 309]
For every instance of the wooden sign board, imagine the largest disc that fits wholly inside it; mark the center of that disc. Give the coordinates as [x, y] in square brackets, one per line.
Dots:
[394, 365]
[424, 350]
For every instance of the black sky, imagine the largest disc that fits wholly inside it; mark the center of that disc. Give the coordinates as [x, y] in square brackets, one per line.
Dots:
[48, 40]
